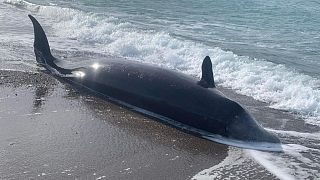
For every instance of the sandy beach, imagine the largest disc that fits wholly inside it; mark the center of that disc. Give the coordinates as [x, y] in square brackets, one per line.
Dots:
[51, 131]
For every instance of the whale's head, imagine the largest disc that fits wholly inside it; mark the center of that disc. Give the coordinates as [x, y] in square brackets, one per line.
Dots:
[242, 126]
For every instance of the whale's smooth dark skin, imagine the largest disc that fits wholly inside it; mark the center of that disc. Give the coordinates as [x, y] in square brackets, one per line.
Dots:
[161, 91]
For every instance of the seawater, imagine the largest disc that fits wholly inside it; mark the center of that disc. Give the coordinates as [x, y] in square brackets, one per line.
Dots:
[268, 50]
[265, 49]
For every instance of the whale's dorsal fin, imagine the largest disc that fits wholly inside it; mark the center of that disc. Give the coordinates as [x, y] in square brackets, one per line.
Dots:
[207, 80]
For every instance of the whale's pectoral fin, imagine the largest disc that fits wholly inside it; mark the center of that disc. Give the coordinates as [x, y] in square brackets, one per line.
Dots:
[207, 80]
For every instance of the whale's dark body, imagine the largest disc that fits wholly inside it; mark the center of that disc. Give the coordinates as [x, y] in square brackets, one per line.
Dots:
[162, 92]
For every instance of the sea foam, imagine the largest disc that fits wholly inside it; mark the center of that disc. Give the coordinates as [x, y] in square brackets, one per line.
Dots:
[292, 164]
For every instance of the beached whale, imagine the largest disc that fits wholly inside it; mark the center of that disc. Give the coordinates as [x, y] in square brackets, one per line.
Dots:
[168, 95]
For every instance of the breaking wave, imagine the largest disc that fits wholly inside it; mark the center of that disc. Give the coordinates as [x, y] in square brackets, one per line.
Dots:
[281, 87]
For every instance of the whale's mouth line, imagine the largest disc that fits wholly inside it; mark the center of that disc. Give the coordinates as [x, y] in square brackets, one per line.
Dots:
[261, 146]
[254, 145]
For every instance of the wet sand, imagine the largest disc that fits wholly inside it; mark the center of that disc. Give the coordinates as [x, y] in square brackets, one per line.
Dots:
[48, 130]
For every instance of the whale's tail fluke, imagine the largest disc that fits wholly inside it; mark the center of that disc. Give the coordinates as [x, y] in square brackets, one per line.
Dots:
[42, 48]
[41, 45]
